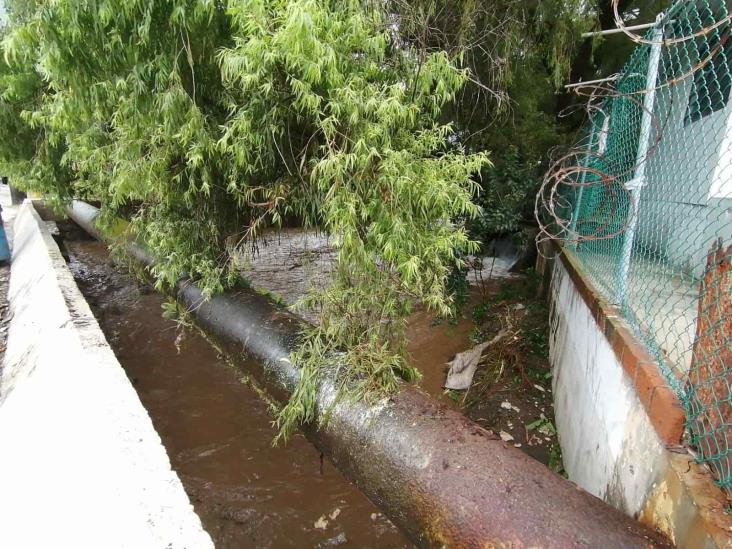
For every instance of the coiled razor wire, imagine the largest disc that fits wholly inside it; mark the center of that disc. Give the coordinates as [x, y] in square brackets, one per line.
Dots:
[644, 202]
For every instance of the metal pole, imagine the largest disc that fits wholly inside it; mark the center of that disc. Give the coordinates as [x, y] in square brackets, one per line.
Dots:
[588, 157]
[618, 31]
[635, 185]
[611, 78]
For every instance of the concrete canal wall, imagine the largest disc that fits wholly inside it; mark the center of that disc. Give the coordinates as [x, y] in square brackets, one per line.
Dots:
[620, 425]
[80, 462]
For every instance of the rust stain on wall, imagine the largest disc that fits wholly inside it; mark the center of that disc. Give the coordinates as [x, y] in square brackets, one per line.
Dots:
[710, 378]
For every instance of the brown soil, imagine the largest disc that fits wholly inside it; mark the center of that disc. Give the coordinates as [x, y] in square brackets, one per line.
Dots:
[511, 390]
[433, 343]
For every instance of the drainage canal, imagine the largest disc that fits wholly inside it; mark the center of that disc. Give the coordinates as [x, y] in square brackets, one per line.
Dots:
[217, 431]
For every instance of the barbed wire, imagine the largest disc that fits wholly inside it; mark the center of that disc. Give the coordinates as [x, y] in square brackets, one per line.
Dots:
[640, 39]
[582, 167]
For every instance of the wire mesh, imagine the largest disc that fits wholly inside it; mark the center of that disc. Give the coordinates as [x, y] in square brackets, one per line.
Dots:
[645, 203]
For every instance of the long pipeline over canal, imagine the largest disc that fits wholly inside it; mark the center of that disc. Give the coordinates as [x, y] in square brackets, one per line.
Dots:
[442, 479]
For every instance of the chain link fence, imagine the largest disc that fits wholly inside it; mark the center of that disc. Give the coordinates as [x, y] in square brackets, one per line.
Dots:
[647, 210]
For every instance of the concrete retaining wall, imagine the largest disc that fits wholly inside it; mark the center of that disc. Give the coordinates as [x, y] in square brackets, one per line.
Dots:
[619, 424]
[609, 445]
[80, 462]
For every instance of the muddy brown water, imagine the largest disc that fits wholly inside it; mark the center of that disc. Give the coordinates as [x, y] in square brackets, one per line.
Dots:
[432, 345]
[217, 431]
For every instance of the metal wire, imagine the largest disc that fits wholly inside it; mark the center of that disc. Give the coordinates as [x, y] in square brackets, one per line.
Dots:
[644, 201]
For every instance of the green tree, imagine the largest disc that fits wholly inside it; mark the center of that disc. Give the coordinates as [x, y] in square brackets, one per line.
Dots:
[356, 125]
[519, 55]
[208, 120]
[29, 153]
[211, 120]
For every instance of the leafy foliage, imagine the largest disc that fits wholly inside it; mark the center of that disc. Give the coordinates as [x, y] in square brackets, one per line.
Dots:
[506, 198]
[210, 121]
[206, 121]
[30, 155]
[518, 54]
[366, 154]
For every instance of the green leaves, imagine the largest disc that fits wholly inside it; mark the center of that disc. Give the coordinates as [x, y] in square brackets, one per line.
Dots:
[386, 182]
[506, 199]
[209, 121]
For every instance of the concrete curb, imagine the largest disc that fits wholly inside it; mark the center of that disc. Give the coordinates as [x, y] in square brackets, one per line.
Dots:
[80, 462]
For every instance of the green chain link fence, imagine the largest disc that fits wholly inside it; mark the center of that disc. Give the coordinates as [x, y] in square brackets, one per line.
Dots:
[650, 217]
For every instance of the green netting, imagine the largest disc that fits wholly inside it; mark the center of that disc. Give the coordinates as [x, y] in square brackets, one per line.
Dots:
[665, 262]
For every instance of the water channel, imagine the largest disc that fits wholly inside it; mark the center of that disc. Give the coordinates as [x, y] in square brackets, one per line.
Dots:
[216, 429]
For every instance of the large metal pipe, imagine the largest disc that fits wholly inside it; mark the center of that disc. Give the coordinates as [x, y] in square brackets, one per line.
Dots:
[444, 480]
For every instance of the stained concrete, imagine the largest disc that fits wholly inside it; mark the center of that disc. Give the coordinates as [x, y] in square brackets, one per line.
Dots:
[287, 264]
[609, 444]
[80, 462]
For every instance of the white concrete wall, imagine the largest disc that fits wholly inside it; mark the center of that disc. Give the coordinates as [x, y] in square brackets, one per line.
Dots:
[609, 445]
[80, 463]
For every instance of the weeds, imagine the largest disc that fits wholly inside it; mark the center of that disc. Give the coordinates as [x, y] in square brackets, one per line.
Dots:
[515, 371]
[555, 460]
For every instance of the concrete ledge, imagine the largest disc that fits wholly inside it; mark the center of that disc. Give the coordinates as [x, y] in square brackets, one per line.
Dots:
[80, 462]
[658, 398]
[688, 506]
[620, 424]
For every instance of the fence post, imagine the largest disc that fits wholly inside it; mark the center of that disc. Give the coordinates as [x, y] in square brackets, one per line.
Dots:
[635, 185]
[601, 145]
[582, 181]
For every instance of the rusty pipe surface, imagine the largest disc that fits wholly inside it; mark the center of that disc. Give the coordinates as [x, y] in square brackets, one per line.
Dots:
[441, 478]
